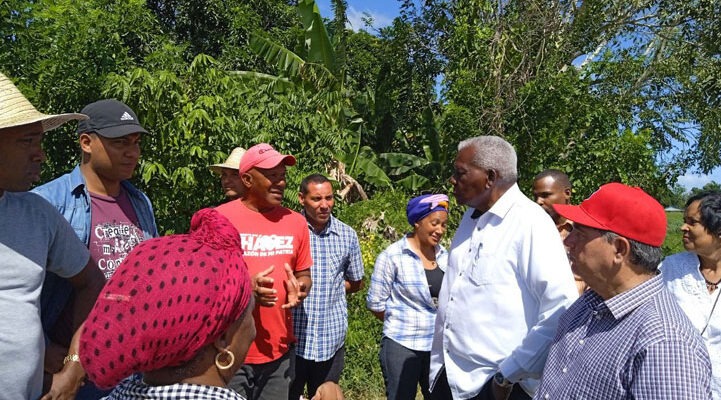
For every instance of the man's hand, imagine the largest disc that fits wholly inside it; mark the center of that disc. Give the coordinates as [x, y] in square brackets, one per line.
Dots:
[500, 393]
[293, 288]
[66, 382]
[328, 391]
[303, 291]
[265, 295]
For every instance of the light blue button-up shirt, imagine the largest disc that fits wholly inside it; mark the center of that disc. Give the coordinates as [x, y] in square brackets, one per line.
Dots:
[400, 289]
[69, 195]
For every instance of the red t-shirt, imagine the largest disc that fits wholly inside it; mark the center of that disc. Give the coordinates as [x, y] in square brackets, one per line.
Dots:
[273, 238]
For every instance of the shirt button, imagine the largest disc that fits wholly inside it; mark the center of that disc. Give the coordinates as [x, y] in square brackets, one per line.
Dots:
[546, 396]
[446, 326]
[451, 298]
[564, 370]
[580, 341]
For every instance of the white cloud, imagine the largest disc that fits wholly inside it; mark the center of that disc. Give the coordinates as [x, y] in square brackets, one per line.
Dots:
[355, 19]
[690, 181]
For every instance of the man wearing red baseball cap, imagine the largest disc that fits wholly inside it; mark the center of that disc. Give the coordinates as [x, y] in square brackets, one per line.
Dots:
[626, 338]
[276, 248]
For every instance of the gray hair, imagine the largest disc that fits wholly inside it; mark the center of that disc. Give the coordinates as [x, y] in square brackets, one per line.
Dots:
[492, 152]
[644, 255]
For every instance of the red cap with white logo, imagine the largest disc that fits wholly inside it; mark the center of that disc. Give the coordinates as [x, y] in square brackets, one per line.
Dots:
[263, 156]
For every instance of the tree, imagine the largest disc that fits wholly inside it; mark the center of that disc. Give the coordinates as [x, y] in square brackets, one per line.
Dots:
[709, 187]
[546, 75]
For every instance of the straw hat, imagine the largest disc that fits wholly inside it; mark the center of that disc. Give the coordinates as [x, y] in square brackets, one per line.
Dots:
[232, 162]
[16, 110]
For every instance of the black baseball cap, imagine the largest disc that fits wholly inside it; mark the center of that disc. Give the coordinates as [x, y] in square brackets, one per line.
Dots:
[110, 118]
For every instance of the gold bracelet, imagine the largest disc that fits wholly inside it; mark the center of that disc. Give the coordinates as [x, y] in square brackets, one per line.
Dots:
[71, 357]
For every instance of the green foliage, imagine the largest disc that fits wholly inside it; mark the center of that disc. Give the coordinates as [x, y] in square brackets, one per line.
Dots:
[711, 186]
[600, 89]
[673, 243]
[173, 167]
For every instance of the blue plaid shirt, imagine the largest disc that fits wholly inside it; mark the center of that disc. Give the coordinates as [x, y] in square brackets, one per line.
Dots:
[320, 323]
[400, 289]
[635, 345]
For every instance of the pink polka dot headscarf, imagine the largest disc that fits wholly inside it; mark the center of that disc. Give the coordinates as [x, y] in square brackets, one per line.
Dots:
[169, 298]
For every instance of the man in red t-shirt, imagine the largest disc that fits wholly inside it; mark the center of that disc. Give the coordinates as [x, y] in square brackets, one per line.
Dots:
[276, 248]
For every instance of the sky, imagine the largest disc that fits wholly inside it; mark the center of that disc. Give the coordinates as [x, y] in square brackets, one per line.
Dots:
[383, 12]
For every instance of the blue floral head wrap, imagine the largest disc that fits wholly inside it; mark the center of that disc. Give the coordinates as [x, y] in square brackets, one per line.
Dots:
[419, 207]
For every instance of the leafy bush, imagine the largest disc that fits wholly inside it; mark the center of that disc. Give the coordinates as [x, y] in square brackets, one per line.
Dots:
[673, 243]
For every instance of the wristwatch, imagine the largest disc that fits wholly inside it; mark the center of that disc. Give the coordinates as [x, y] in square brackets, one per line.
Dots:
[71, 357]
[501, 380]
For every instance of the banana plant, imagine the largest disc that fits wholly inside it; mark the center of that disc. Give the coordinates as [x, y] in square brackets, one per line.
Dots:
[321, 74]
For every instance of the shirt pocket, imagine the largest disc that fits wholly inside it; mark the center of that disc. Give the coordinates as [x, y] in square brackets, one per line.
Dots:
[488, 268]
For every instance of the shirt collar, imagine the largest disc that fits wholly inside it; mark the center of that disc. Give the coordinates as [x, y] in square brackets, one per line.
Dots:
[407, 247]
[77, 180]
[330, 227]
[622, 304]
[506, 201]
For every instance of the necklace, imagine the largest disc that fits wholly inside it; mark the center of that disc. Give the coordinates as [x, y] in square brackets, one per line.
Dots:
[434, 264]
[711, 286]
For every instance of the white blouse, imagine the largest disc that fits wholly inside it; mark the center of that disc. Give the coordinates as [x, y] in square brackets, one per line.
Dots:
[683, 278]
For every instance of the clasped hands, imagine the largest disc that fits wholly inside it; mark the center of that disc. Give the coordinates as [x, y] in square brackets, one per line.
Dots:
[266, 296]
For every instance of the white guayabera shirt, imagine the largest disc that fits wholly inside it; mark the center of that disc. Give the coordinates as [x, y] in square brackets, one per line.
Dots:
[507, 282]
[683, 279]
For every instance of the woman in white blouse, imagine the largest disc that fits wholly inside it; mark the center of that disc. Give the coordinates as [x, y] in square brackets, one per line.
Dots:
[694, 276]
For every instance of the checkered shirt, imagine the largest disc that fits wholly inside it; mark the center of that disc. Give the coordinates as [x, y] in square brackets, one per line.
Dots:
[636, 345]
[133, 388]
[320, 323]
[400, 289]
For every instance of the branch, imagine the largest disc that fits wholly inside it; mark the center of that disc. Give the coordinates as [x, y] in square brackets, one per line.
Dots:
[595, 53]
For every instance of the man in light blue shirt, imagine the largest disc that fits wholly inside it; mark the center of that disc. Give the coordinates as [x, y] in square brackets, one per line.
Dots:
[320, 323]
[507, 282]
[107, 213]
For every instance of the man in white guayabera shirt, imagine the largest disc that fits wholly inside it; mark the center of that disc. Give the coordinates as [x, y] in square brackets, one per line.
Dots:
[507, 282]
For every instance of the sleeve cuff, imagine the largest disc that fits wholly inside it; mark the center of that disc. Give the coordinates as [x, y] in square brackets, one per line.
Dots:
[511, 370]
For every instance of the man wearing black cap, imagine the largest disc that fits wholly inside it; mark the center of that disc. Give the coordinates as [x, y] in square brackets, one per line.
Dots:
[106, 211]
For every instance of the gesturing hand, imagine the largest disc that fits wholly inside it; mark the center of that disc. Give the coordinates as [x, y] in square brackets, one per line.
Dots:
[293, 288]
[265, 295]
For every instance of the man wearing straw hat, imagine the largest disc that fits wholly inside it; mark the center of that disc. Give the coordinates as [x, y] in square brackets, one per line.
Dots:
[108, 213]
[34, 239]
[229, 176]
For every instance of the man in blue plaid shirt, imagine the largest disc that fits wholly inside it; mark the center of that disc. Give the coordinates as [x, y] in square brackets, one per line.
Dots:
[321, 321]
[625, 338]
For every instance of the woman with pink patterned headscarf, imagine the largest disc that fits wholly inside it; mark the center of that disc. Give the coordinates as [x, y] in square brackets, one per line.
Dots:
[178, 309]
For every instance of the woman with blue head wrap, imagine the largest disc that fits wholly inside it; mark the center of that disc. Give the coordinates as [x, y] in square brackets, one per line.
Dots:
[403, 293]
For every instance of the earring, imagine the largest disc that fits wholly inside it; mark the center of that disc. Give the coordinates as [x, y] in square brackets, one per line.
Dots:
[230, 363]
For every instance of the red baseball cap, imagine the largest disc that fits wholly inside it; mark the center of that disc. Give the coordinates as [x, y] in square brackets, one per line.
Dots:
[263, 156]
[627, 211]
